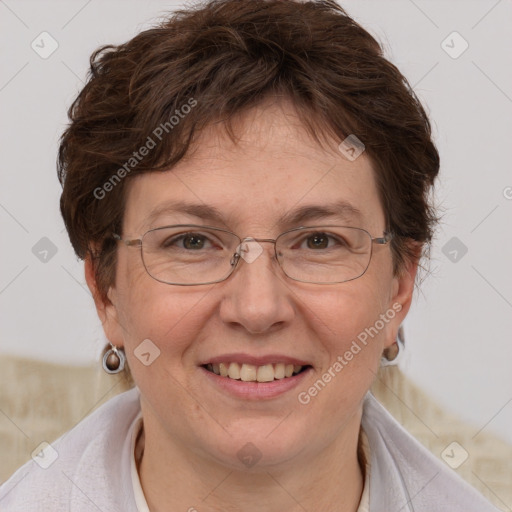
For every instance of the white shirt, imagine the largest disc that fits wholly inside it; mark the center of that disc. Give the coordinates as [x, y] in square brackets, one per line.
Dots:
[95, 469]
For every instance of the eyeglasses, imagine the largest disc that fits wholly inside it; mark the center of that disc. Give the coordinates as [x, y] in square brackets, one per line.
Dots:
[189, 255]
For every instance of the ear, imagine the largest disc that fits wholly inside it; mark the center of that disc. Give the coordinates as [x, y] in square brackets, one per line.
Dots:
[401, 295]
[106, 309]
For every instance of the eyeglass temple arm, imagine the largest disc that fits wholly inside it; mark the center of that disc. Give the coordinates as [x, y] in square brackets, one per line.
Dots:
[136, 241]
[383, 240]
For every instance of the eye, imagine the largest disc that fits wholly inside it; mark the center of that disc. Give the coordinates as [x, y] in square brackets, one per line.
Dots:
[317, 241]
[322, 240]
[189, 241]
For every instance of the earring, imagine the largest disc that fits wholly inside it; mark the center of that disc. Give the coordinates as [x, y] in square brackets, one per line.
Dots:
[395, 350]
[113, 360]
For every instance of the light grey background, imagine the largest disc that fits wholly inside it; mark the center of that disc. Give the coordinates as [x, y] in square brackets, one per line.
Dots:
[459, 346]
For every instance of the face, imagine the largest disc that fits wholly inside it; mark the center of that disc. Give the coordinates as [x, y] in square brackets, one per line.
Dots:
[258, 315]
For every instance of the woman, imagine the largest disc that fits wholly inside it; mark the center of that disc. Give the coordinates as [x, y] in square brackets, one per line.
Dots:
[248, 185]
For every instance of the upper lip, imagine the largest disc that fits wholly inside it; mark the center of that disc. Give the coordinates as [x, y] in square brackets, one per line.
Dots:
[241, 358]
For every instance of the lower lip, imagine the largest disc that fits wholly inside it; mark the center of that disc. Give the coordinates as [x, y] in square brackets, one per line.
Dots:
[256, 390]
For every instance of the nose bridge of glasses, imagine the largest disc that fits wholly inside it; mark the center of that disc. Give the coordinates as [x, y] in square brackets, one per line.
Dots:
[258, 240]
[250, 249]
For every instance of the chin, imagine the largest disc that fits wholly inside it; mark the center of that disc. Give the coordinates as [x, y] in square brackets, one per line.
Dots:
[257, 444]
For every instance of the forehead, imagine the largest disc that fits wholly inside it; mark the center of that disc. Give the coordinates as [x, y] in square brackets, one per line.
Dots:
[273, 176]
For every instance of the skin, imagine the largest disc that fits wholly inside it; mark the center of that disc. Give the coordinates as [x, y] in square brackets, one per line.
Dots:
[192, 430]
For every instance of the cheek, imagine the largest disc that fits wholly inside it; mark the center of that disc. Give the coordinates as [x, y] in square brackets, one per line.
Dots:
[172, 321]
[168, 316]
[348, 324]
[345, 313]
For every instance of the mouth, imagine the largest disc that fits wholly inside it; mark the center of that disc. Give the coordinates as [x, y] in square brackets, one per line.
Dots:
[247, 372]
[254, 377]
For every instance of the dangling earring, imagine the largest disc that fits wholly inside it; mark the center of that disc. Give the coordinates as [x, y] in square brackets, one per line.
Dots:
[395, 350]
[113, 360]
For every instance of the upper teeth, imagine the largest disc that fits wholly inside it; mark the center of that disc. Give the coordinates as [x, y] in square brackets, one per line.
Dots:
[253, 373]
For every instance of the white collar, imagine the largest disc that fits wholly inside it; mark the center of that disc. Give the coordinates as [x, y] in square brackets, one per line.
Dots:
[364, 504]
[138, 493]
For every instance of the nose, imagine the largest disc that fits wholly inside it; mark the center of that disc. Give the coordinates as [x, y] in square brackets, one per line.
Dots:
[257, 297]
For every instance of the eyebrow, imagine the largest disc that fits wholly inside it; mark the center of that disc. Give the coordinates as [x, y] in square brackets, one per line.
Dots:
[341, 209]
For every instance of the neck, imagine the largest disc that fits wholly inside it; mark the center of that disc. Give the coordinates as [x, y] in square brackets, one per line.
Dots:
[174, 478]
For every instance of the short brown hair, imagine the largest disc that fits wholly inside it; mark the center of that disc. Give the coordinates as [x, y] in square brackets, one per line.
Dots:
[223, 57]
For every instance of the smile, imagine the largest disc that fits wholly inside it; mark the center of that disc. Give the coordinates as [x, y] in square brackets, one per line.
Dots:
[252, 373]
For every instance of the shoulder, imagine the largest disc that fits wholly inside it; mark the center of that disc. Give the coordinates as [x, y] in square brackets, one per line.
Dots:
[78, 467]
[405, 475]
